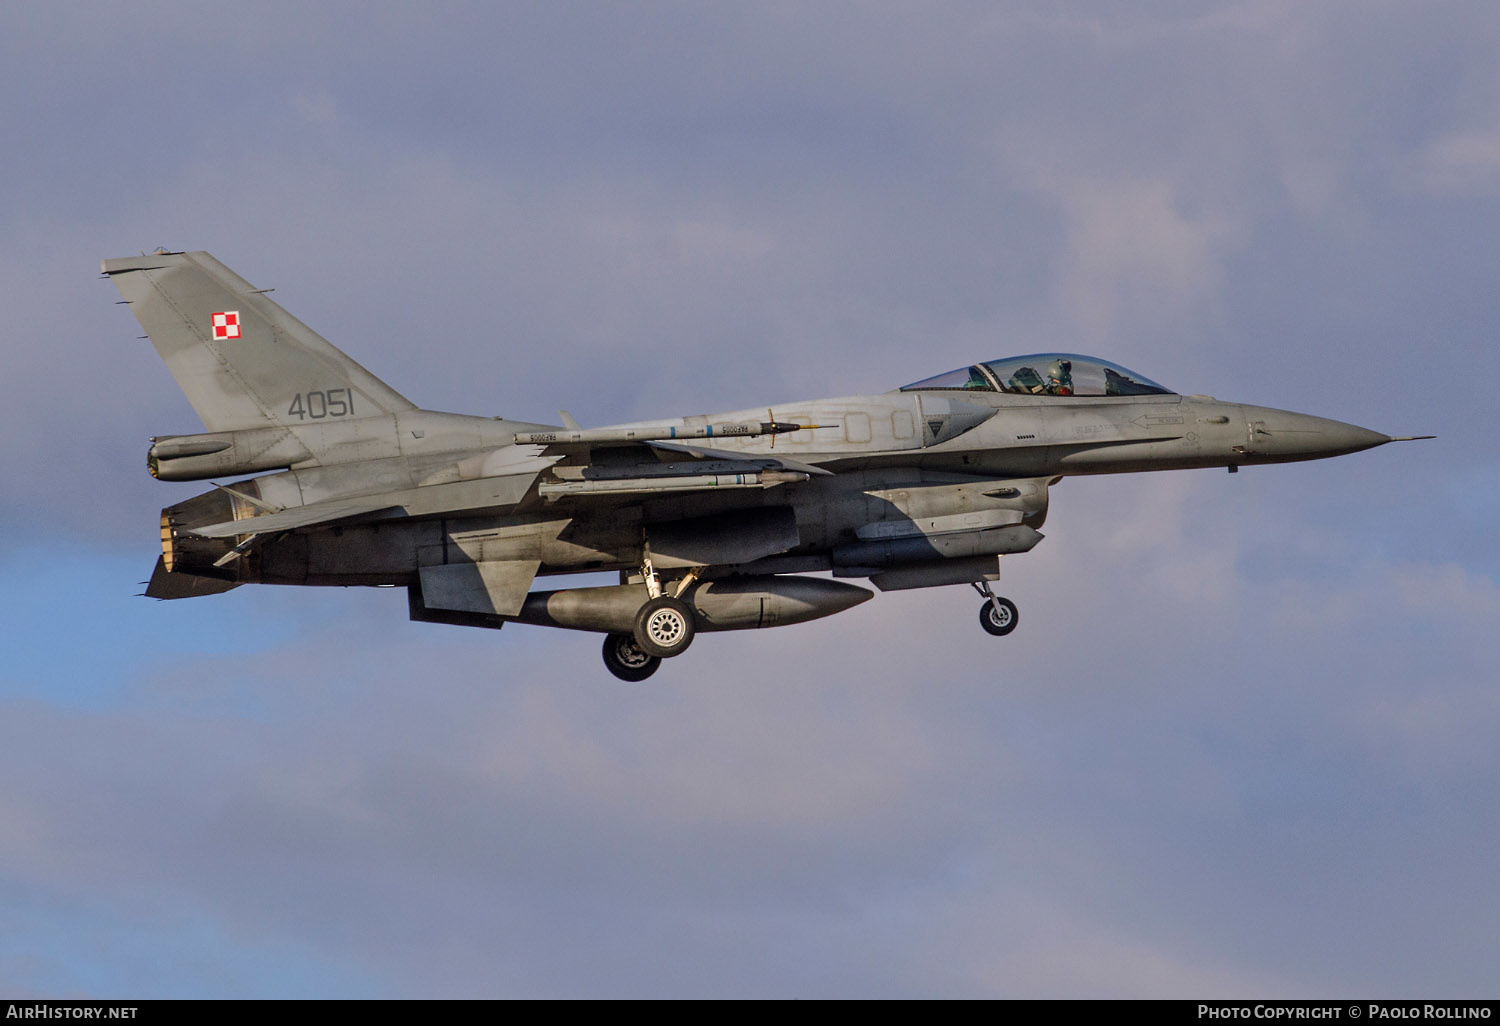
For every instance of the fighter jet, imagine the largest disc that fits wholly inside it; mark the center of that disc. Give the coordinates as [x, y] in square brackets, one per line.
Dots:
[713, 522]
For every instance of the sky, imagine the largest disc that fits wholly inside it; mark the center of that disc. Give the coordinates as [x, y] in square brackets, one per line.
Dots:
[1242, 741]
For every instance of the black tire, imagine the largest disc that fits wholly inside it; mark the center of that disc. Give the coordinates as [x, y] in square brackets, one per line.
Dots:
[1000, 625]
[664, 627]
[624, 658]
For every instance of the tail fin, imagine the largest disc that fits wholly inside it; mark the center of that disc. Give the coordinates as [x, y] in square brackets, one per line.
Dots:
[242, 360]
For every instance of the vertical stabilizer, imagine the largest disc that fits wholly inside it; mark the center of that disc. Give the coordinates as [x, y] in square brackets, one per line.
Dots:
[242, 360]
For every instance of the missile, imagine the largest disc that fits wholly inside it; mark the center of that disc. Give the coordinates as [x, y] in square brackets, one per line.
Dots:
[606, 436]
[554, 490]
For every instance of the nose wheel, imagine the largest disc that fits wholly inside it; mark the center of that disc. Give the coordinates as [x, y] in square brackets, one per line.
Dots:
[997, 615]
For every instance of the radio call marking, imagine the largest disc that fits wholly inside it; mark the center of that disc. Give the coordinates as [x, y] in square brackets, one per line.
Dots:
[334, 402]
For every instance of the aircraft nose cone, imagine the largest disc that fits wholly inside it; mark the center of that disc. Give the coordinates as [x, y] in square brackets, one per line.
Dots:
[1284, 434]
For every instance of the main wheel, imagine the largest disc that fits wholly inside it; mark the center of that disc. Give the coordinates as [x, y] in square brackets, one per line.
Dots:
[624, 658]
[1001, 622]
[664, 627]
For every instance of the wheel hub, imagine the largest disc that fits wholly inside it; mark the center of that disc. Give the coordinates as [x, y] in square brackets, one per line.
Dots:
[665, 627]
[630, 654]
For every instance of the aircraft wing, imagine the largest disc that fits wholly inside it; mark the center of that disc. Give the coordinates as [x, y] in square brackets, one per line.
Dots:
[483, 493]
[316, 514]
[702, 469]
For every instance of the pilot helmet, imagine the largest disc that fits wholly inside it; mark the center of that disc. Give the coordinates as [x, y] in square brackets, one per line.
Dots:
[1060, 370]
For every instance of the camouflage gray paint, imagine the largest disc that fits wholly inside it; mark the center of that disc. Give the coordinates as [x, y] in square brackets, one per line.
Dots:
[709, 520]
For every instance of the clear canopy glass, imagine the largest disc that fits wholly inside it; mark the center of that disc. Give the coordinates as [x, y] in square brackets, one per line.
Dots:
[1062, 374]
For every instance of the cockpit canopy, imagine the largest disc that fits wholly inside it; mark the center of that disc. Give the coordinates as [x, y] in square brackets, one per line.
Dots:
[1045, 374]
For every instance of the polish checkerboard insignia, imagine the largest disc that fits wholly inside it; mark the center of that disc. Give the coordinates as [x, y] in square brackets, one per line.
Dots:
[226, 325]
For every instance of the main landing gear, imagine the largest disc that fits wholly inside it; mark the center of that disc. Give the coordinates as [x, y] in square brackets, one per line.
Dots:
[627, 660]
[997, 615]
[663, 628]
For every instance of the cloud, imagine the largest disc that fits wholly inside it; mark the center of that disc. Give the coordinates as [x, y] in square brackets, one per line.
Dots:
[1134, 255]
[1461, 163]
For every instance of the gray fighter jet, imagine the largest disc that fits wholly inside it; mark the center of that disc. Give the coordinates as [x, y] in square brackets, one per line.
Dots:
[712, 522]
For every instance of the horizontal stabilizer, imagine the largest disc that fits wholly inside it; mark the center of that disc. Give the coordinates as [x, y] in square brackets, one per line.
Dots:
[165, 585]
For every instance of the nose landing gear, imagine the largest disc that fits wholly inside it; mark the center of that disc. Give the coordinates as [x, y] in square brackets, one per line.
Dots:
[997, 615]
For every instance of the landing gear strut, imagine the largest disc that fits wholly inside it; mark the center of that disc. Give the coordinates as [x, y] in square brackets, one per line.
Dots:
[626, 660]
[997, 615]
[664, 626]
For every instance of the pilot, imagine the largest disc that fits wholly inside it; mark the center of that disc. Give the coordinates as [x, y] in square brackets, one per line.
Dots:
[1060, 377]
